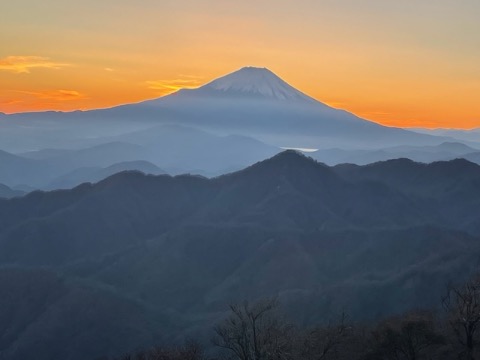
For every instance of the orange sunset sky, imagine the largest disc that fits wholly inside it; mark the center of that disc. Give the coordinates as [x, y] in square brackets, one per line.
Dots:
[401, 63]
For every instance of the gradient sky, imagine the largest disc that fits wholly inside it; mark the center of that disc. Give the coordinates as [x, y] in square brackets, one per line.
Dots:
[402, 63]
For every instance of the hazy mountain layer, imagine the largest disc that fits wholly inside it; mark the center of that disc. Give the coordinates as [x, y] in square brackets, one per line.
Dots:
[6, 192]
[174, 149]
[472, 135]
[424, 154]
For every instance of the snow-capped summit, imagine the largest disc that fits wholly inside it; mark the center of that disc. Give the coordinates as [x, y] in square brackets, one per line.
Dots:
[256, 81]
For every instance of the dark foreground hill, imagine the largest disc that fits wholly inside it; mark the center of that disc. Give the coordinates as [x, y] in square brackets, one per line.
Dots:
[139, 259]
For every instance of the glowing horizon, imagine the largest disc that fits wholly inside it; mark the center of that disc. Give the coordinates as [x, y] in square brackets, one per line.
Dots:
[398, 64]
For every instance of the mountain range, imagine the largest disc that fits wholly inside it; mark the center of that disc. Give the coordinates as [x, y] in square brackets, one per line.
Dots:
[472, 135]
[137, 259]
[424, 154]
[176, 150]
[220, 127]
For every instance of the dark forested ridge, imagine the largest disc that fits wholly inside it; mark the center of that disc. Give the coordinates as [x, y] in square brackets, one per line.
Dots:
[139, 259]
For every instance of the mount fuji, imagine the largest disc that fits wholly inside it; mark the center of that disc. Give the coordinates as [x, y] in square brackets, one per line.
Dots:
[255, 83]
[252, 102]
[255, 102]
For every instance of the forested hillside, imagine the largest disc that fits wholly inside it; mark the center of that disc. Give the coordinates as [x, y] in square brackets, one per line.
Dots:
[138, 260]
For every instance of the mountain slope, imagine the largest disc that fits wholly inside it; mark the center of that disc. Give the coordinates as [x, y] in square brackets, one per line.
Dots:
[46, 316]
[451, 187]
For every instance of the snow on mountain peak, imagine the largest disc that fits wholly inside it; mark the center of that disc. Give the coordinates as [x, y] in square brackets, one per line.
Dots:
[257, 82]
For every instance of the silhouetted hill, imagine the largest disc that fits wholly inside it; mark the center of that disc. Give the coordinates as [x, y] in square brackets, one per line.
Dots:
[96, 174]
[144, 255]
[450, 186]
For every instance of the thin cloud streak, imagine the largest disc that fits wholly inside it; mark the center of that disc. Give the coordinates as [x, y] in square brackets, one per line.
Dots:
[57, 95]
[23, 64]
[10, 102]
[169, 86]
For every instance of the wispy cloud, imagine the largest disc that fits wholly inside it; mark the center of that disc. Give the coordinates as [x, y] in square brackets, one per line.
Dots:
[169, 86]
[56, 95]
[23, 64]
[10, 102]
